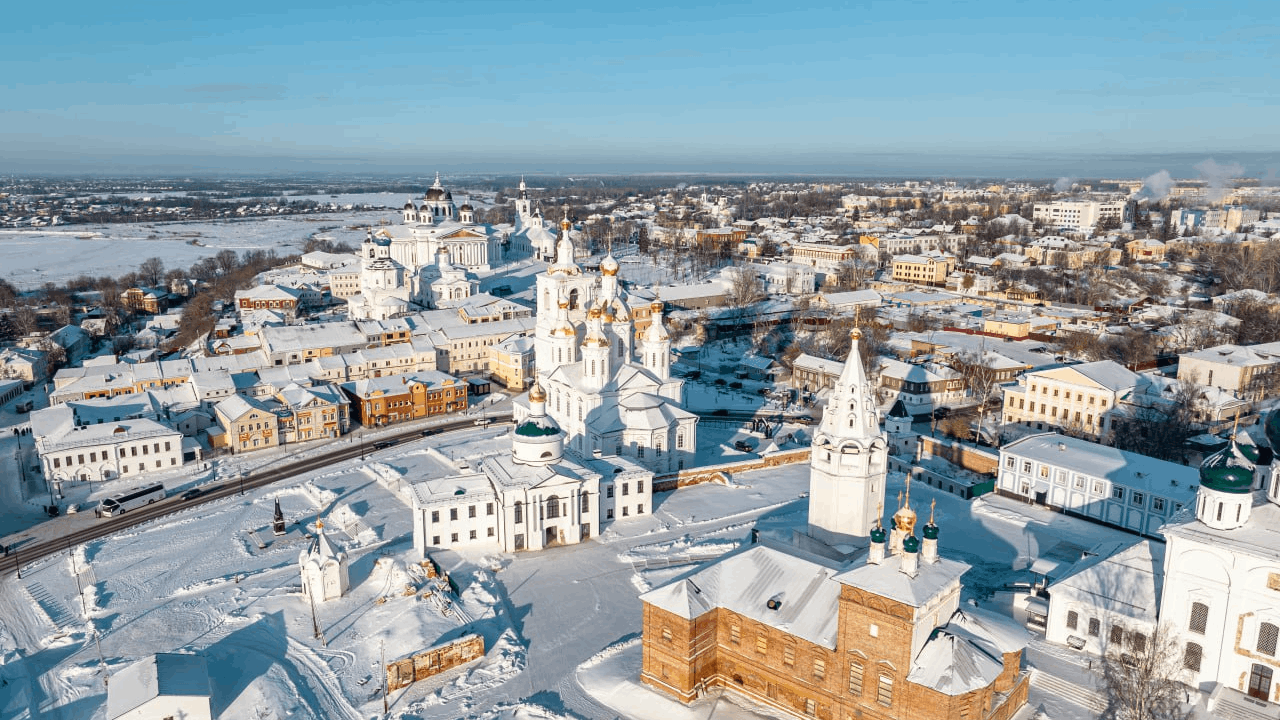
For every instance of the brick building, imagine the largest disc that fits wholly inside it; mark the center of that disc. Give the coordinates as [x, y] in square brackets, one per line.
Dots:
[400, 398]
[882, 637]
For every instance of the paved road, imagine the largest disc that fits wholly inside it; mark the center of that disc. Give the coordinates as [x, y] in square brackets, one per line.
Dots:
[33, 551]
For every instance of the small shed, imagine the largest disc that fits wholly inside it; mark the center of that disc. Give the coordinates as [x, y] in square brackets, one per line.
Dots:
[754, 367]
[165, 685]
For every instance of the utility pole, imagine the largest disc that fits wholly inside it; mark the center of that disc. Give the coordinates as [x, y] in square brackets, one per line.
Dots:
[382, 647]
[315, 622]
[84, 609]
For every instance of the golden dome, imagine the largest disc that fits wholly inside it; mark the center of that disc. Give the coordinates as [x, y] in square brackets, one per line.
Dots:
[563, 331]
[905, 519]
[564, 304]
[609, 266]
[596, 339]
[656, 306]
[595, 313]
[565, 224]
[855, 334]
[536, 393]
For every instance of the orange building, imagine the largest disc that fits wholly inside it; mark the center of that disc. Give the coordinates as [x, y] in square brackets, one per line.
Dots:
[881, 638]
[401, 398]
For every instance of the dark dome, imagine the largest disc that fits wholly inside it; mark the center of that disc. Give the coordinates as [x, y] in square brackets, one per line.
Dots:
[1227, 471]
[911, 544]
[899, 410]
[408, 205]
[435, 194]
[931, 532]
[877, 534]
[1272, 429]
[467, 207]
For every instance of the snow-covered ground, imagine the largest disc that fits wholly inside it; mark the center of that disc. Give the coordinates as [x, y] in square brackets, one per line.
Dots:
[30, 258]
[560, 626]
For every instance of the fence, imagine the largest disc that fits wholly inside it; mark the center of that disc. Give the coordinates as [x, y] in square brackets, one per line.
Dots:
[721, 473]
[434, 661]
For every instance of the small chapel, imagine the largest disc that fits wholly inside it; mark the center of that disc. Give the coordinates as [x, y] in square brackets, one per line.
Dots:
[324, 569]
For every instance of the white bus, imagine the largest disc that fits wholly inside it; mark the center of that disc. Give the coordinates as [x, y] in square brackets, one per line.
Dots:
[130, 499]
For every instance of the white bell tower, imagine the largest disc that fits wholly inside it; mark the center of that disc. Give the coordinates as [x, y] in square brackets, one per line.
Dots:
[849, 459]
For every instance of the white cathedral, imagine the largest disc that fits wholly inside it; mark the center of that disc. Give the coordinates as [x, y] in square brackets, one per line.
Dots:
[427, 259]
[608, 385]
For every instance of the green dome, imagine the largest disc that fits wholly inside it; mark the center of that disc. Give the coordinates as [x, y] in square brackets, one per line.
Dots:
[931, 532]
[1228, 471]
[911, 544]
[877, 535]
[530, 428]
[1252, 453]
[1272, 429]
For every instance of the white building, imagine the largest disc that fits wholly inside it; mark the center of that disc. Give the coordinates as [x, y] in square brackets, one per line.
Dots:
[1078, 477]
[1078, 214]
[610, 389]
[535, 496]
[425, 259]
[161, 687]
[323, 568]
[849, 460]
[74, 448]
[1214, 590]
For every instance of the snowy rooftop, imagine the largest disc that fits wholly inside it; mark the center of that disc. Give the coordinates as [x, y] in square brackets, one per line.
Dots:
[887, 579]
[1126, 580]
[1259, 537]
[1121, 467]
[745, 582]
[160, 674]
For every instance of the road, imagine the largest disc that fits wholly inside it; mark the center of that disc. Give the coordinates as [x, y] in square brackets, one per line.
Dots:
[106, 526]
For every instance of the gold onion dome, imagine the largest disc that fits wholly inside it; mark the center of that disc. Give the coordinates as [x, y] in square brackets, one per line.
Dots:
[609, 266]
[536, 393]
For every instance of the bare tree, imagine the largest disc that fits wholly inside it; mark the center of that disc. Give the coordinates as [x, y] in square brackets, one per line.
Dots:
[746, 288]
[152, 271]
[1140, 678]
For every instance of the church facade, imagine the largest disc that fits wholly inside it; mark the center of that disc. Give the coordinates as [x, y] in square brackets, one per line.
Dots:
[608, 383]
[426, 260]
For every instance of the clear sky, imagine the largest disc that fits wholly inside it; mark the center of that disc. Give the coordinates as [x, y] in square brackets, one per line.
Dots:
[612, 85]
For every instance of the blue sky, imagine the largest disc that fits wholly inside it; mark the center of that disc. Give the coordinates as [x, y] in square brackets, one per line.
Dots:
[550, 86]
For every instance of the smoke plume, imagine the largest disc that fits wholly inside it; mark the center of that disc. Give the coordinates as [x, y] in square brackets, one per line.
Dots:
[1156, 186]
[1218, 175]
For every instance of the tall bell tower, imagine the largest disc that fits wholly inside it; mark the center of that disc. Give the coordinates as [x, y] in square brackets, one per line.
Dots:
[849, 459]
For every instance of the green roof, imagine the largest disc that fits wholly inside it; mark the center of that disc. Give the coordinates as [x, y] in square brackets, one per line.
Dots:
[530, 428]
[1272, 429]
[1229, 470]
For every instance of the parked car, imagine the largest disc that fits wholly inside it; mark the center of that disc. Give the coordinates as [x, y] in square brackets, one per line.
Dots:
[744, 446]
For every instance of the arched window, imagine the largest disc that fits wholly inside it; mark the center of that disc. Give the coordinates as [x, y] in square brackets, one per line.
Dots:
[1199, 618]
[1191, 657]
[884, 692]
[573, 299]
[553, 507]
[1073, 619]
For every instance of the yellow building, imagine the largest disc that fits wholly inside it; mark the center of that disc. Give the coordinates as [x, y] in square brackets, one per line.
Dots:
[923, 269]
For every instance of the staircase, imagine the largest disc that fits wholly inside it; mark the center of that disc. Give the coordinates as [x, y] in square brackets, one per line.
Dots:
[1056, 686]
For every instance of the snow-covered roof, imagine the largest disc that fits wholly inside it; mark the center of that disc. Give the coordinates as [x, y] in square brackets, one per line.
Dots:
[1124, 580]
[161, 674]
[810, 362]
[745, 582]
[887, 579]
[1120, 467]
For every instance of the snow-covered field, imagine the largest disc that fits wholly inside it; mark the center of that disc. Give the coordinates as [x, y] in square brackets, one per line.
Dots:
[30, 258]
[560, 626]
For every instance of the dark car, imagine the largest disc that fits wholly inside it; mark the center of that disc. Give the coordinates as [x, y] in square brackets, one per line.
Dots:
[735, 385]
[384, 444]
[192, 493]
[430, 431]
[744, 446]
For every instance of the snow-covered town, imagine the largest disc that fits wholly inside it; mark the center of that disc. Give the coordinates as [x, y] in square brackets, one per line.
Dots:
[735, 450]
